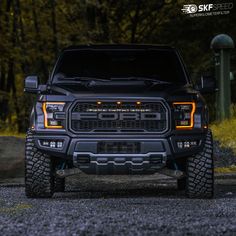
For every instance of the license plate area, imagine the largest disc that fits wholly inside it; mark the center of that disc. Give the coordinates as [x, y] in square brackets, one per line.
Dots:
[118, 147]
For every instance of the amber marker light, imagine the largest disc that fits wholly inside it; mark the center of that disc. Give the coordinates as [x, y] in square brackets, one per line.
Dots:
[138, 103]
[193, 106]
[99, 103]
[118, 103]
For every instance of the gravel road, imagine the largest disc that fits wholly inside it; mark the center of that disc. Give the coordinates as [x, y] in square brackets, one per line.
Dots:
[119, 206]
[145, 205]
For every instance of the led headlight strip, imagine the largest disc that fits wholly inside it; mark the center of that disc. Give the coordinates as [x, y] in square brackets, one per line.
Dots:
[185, 110]
[49, 108]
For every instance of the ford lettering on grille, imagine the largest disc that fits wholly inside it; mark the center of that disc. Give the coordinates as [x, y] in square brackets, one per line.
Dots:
[116, 116]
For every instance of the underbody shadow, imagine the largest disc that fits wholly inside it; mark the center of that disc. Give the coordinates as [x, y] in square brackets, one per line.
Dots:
[93, 190]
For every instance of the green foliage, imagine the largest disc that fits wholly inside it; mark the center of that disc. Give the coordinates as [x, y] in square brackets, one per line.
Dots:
[230, 169]
[32, 33]
[225, 133]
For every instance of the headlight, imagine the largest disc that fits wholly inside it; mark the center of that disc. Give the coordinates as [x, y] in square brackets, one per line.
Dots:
[49, 109]
[184, 114]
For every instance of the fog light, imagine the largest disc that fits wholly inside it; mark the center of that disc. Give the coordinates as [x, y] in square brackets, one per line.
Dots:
[180, 145]
[59, 144]
[187, 144]
[45, 143]
[52, 143]
[194, 143]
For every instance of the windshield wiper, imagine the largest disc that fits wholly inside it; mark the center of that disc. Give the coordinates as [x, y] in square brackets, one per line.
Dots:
[82, 79]
[88, 80]
[152, 80]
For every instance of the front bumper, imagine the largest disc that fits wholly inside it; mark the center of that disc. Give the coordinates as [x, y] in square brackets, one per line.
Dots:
[153, 154]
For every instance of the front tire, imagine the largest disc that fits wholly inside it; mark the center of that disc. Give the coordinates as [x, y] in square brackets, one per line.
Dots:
[39, 178]
[200, 172]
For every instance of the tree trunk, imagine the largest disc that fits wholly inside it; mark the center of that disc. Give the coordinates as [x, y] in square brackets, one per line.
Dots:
[38, 39]
[135, 21]
[54, 27]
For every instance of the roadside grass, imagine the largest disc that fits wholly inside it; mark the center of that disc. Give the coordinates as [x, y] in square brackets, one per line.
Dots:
[228, 169]
[16, 208]
[225, 133]
[11, 134]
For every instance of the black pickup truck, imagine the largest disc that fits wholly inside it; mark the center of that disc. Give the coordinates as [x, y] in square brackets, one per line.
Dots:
[119, 109]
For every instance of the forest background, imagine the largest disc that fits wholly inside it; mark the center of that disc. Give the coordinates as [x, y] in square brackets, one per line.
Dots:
[33, 32]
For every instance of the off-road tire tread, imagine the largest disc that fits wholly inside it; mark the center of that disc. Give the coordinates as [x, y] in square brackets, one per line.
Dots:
[200, 172]
[39, 179]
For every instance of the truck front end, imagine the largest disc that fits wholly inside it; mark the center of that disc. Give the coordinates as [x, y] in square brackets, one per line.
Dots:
[122, 110]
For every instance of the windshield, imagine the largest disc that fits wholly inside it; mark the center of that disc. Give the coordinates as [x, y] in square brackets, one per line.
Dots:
[162, 65]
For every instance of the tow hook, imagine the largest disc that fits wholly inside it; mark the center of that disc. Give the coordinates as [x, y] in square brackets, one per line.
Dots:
[172, 173]
[67, 172]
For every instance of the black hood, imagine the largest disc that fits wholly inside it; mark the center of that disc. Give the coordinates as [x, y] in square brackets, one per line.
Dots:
[166, 91]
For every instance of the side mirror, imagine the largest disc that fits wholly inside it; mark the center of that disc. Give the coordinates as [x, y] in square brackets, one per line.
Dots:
[31, 84]
[206, 84]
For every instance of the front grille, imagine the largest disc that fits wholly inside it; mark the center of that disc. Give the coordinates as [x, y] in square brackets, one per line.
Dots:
[118, 117]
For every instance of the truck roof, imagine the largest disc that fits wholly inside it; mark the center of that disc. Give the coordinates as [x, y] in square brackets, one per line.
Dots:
[117, 46]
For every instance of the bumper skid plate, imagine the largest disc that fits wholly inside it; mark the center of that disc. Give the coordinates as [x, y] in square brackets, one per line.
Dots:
[119, 163]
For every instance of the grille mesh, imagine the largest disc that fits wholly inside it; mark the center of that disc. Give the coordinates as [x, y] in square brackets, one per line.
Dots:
[94, 124]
